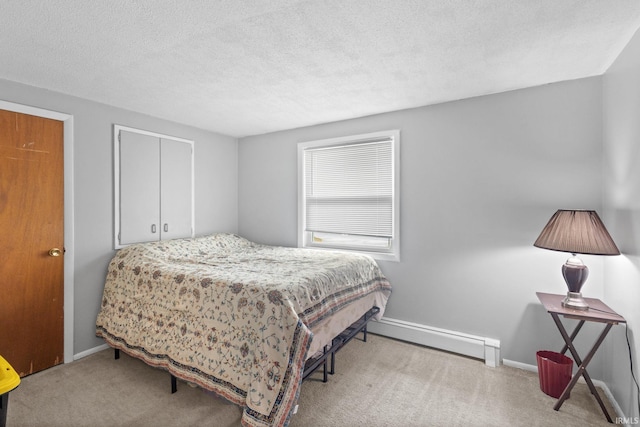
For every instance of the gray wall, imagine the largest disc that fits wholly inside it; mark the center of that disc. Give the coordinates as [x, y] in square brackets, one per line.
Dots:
[479, 180]
[621, 124]
[215, 188]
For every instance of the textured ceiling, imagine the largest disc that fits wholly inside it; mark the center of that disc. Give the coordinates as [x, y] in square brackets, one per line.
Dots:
[256, 66]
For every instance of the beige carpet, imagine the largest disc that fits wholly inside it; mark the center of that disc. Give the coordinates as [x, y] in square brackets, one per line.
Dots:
[379, 383]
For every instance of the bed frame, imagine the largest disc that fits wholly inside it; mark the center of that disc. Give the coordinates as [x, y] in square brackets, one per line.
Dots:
[328, 355]
[337, 343]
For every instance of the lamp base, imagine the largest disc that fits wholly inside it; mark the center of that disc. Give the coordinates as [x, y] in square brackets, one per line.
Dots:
[574, 301]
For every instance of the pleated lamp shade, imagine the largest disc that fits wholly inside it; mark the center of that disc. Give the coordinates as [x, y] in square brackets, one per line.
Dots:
[577, 232]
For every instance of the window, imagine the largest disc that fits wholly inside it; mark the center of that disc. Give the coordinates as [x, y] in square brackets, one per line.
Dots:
[348, 194]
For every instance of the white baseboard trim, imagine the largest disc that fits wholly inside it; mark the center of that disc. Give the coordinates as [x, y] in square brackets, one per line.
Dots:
[597, 383]
[520, 365]
[90, 351]
[487, 349]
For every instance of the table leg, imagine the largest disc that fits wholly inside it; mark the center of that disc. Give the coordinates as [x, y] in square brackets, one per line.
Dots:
[582, 364]
[573, 335]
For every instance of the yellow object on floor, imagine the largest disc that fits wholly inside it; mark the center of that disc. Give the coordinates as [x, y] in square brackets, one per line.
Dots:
[9, 378]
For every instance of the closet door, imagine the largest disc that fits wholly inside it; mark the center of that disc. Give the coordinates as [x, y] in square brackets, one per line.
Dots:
[153, 176]
[176, 189]
[139, 188]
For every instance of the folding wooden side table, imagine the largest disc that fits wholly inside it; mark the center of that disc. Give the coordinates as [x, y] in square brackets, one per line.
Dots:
[598, 312]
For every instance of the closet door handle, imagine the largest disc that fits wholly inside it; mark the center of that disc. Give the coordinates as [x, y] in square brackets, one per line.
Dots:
[153, 228]
[166, 228]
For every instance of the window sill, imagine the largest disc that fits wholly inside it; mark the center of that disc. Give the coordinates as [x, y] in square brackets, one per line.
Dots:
[378, 256]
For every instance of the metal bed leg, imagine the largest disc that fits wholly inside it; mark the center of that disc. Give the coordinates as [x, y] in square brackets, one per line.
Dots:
[324, 372]
[174, 384]
[333, 363]
[325, 378]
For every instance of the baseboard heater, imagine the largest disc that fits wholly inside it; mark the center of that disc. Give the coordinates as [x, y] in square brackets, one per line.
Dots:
[487, 349]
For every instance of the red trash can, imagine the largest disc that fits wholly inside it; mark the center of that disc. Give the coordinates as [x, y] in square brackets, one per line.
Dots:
[554, 371]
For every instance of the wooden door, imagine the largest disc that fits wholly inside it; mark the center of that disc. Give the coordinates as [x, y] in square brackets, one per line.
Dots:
[31, 240]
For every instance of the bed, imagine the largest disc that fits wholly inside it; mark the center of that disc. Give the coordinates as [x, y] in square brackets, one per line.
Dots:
[234, 317]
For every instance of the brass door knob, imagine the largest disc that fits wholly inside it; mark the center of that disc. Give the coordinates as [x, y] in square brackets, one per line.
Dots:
[55, 252]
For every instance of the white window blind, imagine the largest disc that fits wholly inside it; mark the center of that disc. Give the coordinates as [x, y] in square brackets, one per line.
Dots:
[349, 188]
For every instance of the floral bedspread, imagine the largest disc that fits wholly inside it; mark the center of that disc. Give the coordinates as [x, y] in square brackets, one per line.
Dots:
[230, 315]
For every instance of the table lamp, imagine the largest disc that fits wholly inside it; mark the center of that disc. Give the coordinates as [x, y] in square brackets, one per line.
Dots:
[576, 232]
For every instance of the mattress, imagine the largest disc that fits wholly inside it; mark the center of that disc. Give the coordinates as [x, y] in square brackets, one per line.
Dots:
[233, 316]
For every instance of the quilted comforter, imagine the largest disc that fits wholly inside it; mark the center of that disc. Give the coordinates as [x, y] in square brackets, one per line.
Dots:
[230, 315]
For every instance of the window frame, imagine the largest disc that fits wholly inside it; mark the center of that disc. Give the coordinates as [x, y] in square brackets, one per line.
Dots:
[393, 252]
